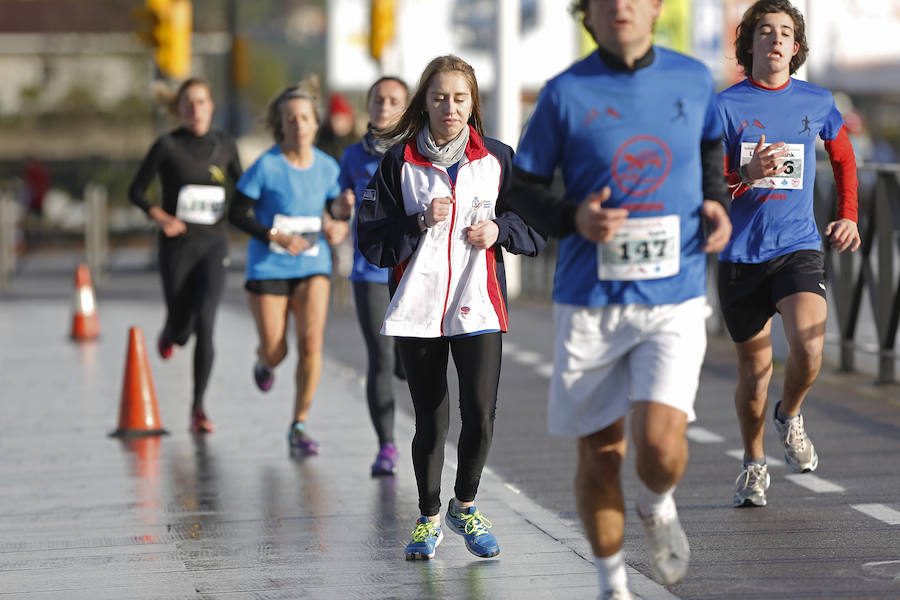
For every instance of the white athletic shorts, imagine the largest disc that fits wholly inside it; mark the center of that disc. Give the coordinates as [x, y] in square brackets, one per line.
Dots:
[607, 357]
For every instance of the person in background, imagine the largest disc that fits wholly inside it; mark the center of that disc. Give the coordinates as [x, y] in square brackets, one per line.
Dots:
[385, 103]
[197, 167]
[282, 201]
[774, 261]
[634, 129]
[436, 212]
[338, 132]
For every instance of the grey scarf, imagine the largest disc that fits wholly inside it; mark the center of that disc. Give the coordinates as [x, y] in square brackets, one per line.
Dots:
[374, 145]
[446, 155]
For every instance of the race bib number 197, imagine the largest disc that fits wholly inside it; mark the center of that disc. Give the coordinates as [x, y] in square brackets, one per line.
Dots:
[643, 248]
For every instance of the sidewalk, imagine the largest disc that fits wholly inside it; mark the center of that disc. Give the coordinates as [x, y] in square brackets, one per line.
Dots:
[229, 515]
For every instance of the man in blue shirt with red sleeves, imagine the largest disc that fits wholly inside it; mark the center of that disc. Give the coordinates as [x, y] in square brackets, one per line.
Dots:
[774, 260]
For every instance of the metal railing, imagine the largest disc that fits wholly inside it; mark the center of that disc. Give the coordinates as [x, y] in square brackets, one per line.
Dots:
[869, 273]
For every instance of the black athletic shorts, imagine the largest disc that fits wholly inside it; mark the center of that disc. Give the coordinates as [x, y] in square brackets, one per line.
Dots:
[277, 287]
[749, 292]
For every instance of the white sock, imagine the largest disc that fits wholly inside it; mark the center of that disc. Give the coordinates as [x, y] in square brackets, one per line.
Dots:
[611, 572]
[651, 503]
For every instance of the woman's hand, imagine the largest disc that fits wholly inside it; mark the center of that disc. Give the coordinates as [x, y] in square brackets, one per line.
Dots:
[483, 234]
[294, 244]
[343, 204]
[438, 211]
[170, 226]
[335, 231]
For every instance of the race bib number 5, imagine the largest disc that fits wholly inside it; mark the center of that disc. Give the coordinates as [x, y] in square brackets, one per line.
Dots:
[643, 248]
[790, 179]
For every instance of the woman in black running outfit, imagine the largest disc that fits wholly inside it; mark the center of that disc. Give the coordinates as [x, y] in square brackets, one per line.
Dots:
[194, 164]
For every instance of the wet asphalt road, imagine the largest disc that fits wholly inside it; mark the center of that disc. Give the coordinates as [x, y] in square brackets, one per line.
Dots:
[832, 534]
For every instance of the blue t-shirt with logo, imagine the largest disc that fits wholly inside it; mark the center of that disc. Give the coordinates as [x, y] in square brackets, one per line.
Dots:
[775, 217]
[357, 168]
[280, 188]
[638, 132]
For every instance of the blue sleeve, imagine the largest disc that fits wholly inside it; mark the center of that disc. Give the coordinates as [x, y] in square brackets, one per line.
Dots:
[251, 182]
[541, 146]
[345, 180]
[386, 235]
[334, 174]
[833, 122]
[712, 124]
[513, 233]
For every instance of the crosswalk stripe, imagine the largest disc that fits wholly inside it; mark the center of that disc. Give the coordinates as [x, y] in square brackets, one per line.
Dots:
[815, 483]
[880, 512]
[702, 435]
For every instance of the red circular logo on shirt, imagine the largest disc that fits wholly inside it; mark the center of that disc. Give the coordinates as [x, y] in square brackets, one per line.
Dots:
[641, 165]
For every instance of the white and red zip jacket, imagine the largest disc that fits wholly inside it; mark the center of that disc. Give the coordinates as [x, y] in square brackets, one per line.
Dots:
[440, 284]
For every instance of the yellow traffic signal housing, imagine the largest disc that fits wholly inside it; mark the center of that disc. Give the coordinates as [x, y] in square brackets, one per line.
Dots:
[168, 26]
[381, 26]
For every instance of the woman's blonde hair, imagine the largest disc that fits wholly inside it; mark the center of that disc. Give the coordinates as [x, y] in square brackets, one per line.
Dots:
[415, 117]
[308, 89]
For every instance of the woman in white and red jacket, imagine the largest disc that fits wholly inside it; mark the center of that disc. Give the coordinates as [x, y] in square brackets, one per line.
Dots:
[435, 212]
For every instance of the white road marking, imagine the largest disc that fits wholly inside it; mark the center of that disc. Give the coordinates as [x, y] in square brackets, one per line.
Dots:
[544, 370]
[703, 436]
[880, 512]
[815, 483]
[527, 357]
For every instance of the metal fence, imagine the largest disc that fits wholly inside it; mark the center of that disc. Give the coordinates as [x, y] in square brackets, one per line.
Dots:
[865, 286]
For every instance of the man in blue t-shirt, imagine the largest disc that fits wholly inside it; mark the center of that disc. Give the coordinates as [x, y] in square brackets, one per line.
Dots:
[635, 132]
[774, 261]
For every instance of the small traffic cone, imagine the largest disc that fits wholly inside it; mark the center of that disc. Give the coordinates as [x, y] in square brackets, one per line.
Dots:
[138, 412]
[85, 325]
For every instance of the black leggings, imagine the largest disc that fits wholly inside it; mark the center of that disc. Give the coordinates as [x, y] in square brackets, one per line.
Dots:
[193, 278]
[372, 300]
[477, 360]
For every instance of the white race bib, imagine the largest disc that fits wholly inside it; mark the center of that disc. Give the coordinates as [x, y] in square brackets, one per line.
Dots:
[307, 227]
[201, 204]
[643, 248]
[791, 179]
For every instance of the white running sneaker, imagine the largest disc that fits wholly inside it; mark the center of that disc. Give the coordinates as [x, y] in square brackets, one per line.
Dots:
[751, 485]
[799, 452]
[668, 545]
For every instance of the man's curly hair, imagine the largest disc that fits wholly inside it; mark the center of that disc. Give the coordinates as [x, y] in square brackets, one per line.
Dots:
[743, 43]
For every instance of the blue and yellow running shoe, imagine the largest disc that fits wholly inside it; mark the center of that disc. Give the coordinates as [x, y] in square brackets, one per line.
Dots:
[473, 526]
[425, 538]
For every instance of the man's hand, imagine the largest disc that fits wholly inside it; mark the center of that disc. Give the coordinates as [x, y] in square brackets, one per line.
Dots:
[294, 244]
[766, 161]
[720, 226]
[843, 234]
[596, 223]
[483, 234]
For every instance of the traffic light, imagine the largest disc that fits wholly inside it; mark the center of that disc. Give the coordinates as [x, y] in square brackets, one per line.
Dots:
[381, 26]
[168, 30]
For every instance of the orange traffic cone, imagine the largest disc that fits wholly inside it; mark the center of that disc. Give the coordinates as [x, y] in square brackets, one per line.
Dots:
[138, 412]
[85, 325]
